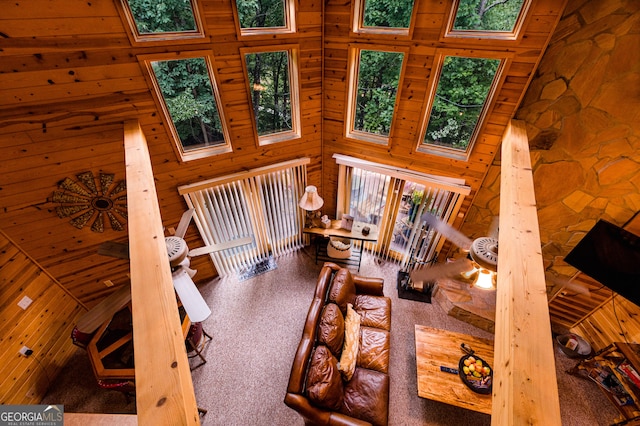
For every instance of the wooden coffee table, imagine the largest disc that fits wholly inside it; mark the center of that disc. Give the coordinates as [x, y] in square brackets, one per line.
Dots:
[436, 347]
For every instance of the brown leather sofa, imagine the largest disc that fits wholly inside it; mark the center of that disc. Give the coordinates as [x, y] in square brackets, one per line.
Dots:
[316, 390]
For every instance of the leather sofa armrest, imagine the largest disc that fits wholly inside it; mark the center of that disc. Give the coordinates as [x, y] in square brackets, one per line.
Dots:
[368, 285]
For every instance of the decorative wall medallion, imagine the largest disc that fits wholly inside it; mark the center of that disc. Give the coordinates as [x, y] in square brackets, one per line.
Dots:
[89, 199]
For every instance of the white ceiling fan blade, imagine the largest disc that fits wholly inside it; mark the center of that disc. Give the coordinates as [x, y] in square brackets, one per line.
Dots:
[96, 316]
[222, 246]
[568, 286]
[442, 270]
[449, 232]
[191, 299]
[184, 223]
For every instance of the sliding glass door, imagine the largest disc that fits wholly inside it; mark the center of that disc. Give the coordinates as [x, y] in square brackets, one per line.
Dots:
[395, 200]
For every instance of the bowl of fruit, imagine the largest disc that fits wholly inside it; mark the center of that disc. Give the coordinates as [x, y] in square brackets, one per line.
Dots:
[475, 372]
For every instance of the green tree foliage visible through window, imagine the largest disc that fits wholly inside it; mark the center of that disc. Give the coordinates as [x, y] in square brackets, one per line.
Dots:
[261, 13]
[487, 15]
[162, 16]
[388, 13]
[188, 94]
[460, 97]
[378, 77]
[270, 91]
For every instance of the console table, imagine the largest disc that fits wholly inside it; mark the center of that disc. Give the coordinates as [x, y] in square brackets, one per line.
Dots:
[335, 231]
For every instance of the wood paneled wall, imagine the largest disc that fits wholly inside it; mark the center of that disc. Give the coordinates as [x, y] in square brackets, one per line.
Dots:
[45, 326]
[426, 41]
[615, 321]
[70, 76]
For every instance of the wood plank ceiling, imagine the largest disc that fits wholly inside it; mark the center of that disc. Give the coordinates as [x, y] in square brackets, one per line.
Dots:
[70, 76]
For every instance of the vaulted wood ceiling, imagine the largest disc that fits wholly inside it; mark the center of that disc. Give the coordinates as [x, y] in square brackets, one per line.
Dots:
[70, 75]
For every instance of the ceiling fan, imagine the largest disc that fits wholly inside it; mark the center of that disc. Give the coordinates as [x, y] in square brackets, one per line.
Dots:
[480, 265]
[179, 261]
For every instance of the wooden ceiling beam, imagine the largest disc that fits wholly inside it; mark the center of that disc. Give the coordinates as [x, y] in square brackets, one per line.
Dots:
[525, 390]
[164, 389]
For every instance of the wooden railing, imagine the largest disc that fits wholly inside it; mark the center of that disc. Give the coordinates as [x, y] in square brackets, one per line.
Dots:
[164, 390]
[525, 390]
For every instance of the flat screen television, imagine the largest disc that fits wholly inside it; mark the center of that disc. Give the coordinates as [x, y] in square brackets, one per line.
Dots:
[610, 255]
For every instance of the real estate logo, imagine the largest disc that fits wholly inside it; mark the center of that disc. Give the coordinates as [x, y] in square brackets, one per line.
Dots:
[31, 415]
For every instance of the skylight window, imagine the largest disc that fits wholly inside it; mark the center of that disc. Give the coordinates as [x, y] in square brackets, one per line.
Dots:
[190, 102]
[162, 19]
[460, 100]
[379, 16]
[273, 85]
[372, 103]
[493, 16]
[265, 16]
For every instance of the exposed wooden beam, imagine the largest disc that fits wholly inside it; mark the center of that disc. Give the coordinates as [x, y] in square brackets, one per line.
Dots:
[164, 389]
[525, 389]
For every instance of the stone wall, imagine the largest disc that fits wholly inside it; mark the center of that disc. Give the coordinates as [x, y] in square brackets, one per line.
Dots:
[582, 112]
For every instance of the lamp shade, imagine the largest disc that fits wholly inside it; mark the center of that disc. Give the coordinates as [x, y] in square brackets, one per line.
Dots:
[311, 201]
[484, 279]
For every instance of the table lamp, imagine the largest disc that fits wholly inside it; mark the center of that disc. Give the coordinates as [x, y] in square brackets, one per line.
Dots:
[311, 202]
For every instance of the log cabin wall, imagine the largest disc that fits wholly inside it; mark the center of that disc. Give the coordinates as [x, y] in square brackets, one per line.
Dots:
[427, 40]
[69, 77]
[44, 326]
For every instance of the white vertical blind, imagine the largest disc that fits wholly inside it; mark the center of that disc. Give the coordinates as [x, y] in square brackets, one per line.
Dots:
[261, 203]
[375, 193]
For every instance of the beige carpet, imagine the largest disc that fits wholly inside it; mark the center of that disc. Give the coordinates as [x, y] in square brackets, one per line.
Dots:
[256, 325]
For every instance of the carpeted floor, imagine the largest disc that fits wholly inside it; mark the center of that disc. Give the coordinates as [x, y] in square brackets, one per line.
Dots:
[256, 325]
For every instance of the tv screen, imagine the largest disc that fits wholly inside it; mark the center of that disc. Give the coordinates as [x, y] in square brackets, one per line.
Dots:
[610, 255]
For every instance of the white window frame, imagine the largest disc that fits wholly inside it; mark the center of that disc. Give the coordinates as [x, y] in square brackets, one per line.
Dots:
[352, 87]
[358, 26]
[294, 85]
[180, 37]
[198, 153]
[450, 32]
[454, 153]
[290, 26]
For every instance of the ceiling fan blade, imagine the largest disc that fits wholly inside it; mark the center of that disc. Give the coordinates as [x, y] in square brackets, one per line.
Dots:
[96, 316]
[449, 232]
[114, 249]
[184, 223]
[568, 286]
[191, 299]
[222, 246]
[442, 270]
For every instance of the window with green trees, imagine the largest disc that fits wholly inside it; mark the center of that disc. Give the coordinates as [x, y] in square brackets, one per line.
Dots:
[264, 15]
[373, 103]
[487, 15]
[273, 87]
[462, 93]
[387, 13]
[192, 103]
[162, 16]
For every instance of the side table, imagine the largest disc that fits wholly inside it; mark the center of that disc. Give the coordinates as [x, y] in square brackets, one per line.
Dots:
[334, 231]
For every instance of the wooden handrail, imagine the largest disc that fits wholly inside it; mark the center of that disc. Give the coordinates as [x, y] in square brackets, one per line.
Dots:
[525, 390]
[164, 389]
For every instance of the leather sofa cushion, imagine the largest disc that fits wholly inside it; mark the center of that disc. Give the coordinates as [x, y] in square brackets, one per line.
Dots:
[375, 311]
[366, 397]
[324, 382]
[374, 349]
[331, 328]
[343, 290]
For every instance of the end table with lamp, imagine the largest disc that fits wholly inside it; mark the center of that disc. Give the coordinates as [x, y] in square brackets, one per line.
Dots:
[357, 232]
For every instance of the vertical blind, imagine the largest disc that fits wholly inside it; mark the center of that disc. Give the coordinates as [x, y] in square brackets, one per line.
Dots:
[394, 200]
[261, 203]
